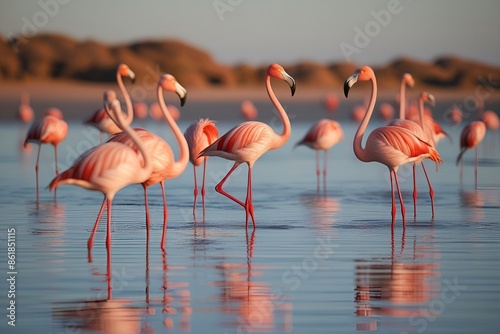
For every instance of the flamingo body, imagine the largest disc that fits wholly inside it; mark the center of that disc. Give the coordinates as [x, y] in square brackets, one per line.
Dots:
[490, 119]
[200, 135]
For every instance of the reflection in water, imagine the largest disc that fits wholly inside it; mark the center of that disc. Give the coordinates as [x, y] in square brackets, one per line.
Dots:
[477, 201]
[48, 222]
[399, 286]
[252, 303]
[106, 315]
[324, 210]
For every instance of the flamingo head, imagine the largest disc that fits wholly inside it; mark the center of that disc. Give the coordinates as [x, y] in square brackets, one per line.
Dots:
[276, 71]
[364, 73]
[429, 98]
[408, 79]
[169, 83]
[125, 71]
[108, 96]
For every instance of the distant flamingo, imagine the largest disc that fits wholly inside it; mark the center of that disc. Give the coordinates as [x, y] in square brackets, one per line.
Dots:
[455, 115]
[386, 111]
[246, 142]
[249, 110]
[331, 102]
[389, 145]
[99, 119]
[108, 168]
[322, 136]
[156, 113]
[490, 119]
[47, 130]
[164, 165]
[56, 112]
[140, 109]
[25, 112]
[471, 136]
[199, 135]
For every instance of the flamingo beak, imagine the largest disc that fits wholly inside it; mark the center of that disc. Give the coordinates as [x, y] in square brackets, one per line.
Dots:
[350, 82]
[290, 81]
[131, 76]
[181, 92]
[432, 100]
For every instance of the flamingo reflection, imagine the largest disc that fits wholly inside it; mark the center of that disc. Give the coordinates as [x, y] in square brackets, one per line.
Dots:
[252, 303]
[105, 315]
[323, 209]
[396, 286]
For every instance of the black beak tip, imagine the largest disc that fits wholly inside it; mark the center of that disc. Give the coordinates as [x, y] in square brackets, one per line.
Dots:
[183, 100]
[133, 80]
[293, 89]
[346, 90]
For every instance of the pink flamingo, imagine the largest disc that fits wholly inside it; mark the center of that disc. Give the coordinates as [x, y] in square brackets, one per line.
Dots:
[99, 119]
[490, 119]
[417, 130]
[471, 136]
[140, 109]
[109, 167]
[455, 115]
[392, 146]
[199, 135]
[386, 111]
[25, 112]
[246, 142]
[164, 165]
[331, 102]
[249, 110]
[322, 136]
[47, 130]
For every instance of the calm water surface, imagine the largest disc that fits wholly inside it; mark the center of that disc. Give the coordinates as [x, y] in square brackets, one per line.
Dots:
[317, 262]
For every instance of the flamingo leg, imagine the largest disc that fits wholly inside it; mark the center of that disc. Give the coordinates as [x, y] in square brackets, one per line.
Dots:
[324, 170]
[203, 190]
[108, 232]
[249, 201]
[165, 215]
[415, 194]
[146, 204]
[431, 190]
[475, 170]
[195, 192]
[36, 169]
[57, 169]
[219, 189]
[403, 210]
[317, 171]
[393, 210]
[461, 171]
[108, 274]
[90, 242]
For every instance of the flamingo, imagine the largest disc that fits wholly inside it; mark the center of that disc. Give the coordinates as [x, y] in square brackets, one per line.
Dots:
[322, 136]
[164, 165]
[386, 111]
[199, 135]
[108, 168]
[455, 115]
[249, 110]
[99, 119]
[140, 109]
[51, 129]
[490, 119]
[246, 142]
[392, 146]
[471, 136]
[331, 102]
[25, 112]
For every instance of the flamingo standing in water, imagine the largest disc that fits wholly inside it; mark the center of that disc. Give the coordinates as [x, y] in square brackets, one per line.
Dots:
[322, 136]
[100, 119]
[199, 135]
[25, 112]
[249, 110]
[164, 165]
[392, 146]
[109, 167]
[51, 129]
[471, 136]
[246, 142]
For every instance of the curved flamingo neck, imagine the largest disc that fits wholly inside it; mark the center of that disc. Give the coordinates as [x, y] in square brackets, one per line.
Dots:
[145, 172]
[359, 151]
[180, 165]
[282, 138]
[421, 113]
[402, 100]
[128, 101]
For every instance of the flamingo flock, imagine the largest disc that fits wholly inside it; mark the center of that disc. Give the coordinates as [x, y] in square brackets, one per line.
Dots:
[138, 156]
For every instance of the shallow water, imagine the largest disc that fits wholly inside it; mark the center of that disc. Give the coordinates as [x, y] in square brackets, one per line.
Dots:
[318, 262]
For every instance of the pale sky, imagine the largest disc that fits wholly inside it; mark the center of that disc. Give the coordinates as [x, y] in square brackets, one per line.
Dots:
[263, 31]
